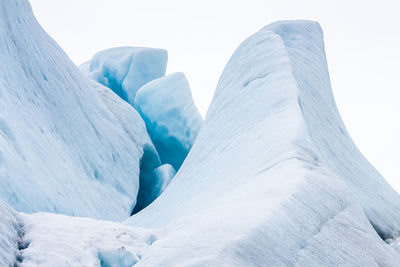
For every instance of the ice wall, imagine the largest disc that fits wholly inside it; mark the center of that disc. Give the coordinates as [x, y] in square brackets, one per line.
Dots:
[61, 149]
[262, 184]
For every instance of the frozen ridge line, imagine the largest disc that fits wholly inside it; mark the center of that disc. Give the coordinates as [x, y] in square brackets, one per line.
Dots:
[273, 177]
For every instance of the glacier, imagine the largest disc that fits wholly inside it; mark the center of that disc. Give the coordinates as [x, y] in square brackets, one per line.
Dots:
[126, 69]
[62, 149]
[272, 177]
[171, 117]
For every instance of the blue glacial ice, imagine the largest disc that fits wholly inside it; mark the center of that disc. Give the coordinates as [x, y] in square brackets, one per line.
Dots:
[153, 186]
[126, 69]
[171, 117]
[165, 173]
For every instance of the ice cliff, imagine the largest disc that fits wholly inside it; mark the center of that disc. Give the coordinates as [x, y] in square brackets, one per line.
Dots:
[62, 149]
[273, 177]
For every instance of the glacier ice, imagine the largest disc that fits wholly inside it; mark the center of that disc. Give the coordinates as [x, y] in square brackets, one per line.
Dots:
[62, 149]
[165, 173]
[126, 69]
[153, 185]
[171, 116]
[135, 128]
[273, 176]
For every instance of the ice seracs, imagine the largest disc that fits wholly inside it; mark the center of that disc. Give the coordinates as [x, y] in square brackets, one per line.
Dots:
[135, 128]
[62, 149]
[126, 69]
[171, 117]
[273, 178]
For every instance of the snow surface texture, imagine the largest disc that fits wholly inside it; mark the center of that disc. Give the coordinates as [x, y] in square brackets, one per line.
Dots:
[10, 235]
[126, 69]
[62, 150]
[273, 178]
[59, 240]
[171, 117]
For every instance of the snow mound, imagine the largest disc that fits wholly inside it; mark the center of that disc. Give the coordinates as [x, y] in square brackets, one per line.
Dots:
[126, 69]
[62, 150]
[59, 240]
[10, 234]
[273, 177]
[171, 116]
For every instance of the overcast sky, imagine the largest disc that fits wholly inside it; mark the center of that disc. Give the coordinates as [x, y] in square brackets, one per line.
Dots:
[362, 41]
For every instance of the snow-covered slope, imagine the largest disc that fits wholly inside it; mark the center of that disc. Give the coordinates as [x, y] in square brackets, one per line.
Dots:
[126, 69]
[273, 178]
[171, 117]
[62, 150]
[327, 131]
[59, 240]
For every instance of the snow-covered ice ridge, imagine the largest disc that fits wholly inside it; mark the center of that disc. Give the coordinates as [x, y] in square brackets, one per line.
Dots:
[272, 179]
[62, 149]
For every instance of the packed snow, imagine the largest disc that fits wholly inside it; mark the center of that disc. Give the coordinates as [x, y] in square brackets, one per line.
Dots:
[62, 149]
[257, 187]
[126, 69]
[59, 240]
[171, 117]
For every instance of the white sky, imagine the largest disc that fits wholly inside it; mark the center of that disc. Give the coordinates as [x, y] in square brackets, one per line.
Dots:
[362, 41]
